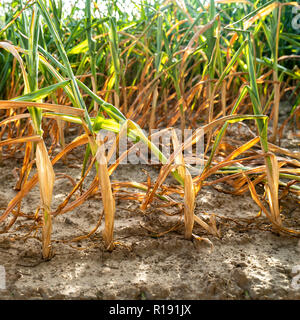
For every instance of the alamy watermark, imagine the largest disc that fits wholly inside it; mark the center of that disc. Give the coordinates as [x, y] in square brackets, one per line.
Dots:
[135, 146]
[296, 18]
[2, 278]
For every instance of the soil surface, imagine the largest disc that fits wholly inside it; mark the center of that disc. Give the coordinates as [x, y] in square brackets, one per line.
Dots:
[248, 261]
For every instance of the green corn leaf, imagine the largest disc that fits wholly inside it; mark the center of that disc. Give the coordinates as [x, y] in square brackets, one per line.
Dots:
[111, 110]
[41, 93]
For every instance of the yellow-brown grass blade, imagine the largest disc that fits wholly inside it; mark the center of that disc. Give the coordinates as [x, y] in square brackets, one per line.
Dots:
[189, 205]
[261, 14]
[211, 229]
[20, 140]
[26, 167]
[7, 104]
[272, 188]
[46, 178]
[12, 49]
[189, 192]
[179, 157]
[242, 149]
[107, 197]
[292, 154]
[14, 118]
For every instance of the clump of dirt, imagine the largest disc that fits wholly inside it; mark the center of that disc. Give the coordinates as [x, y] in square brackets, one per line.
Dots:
[247, 262]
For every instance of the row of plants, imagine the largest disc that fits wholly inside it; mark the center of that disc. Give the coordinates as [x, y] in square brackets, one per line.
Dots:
[168, 64]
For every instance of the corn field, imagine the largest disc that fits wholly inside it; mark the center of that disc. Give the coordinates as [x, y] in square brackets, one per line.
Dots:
[174, 64]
